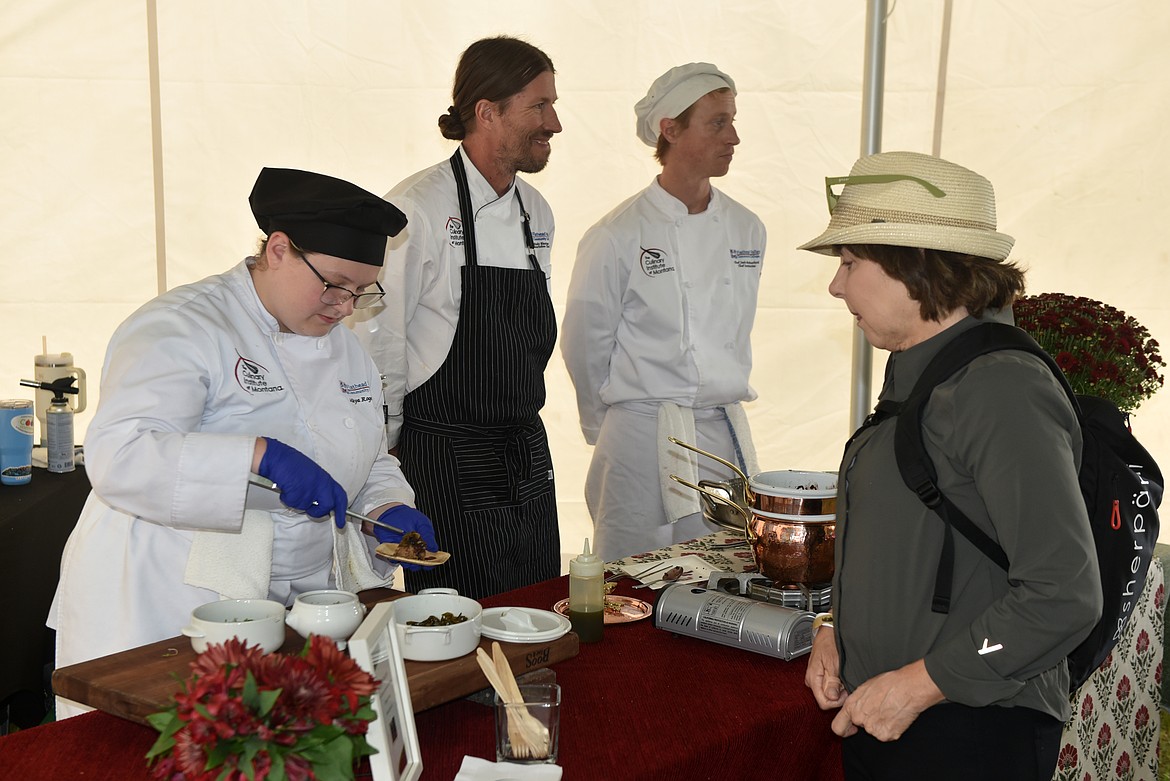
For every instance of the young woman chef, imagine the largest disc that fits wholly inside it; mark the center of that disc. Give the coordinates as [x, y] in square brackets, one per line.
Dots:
[242, 372]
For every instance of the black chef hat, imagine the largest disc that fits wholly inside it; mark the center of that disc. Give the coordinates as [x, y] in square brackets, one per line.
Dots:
[323, 214]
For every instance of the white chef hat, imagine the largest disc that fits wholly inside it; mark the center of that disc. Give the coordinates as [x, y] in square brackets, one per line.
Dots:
[673, 92]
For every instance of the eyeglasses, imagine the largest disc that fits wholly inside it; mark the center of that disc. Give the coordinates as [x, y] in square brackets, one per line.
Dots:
[832, 197]
[336, 295]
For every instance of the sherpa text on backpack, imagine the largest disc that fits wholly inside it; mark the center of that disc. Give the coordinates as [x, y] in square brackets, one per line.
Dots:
[1121, 485]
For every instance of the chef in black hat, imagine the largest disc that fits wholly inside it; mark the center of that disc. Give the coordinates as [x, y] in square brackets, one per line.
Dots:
[243, 372]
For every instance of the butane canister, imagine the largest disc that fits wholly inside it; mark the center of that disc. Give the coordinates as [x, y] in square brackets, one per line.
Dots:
[59, 424]
[774, 630]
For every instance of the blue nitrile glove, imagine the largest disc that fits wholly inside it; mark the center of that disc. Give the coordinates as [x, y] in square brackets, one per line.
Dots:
[409, 520]
[303, 484]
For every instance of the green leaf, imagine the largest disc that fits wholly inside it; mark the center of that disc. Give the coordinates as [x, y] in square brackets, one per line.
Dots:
[334, 760]
[268, 700]
[167, 723]
[251, 694]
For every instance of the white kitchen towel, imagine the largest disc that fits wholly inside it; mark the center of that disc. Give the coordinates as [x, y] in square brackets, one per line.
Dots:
[352, 570]
[741, 432]
[476, 769]
[235, 566]
[678, 422]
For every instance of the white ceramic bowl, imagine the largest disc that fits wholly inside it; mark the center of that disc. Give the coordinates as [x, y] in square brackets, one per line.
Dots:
[436, 643]
[329, 612]
[254, 621]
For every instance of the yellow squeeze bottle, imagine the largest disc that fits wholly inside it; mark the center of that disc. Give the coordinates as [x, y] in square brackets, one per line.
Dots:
[587, 595]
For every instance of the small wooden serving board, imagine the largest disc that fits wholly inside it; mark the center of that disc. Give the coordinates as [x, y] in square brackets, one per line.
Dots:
[136, 683]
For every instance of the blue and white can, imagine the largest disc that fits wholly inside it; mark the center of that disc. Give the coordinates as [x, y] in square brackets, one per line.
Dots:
[16, 441]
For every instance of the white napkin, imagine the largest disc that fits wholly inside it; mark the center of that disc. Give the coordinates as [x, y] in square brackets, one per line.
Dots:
[697, 569]
[476, 769]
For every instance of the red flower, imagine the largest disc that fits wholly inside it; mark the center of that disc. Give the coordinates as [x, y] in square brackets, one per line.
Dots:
[1143, 642]
[1122, 769]
[1142, 718]
[1123, 688]
[1087, 707]
[1104, 736]
[1101, 350]
[240, 702]
[1068, 757]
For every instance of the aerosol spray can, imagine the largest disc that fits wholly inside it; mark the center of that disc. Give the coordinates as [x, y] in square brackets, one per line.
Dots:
[58, 423]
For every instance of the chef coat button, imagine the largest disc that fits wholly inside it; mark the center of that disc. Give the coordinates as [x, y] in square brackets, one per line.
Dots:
[349, 423]
[730, 345]
[688, 285]
[727, 280]
[322, 343]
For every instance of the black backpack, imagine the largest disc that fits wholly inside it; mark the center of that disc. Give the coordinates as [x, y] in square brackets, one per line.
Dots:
[1121, 485]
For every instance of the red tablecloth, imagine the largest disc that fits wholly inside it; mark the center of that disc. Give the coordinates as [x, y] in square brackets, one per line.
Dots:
[642, 704]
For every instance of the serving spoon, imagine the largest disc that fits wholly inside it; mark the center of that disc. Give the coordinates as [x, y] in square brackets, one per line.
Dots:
[671, 575]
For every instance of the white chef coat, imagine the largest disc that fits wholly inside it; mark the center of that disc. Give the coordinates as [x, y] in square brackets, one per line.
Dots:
[190, 380]
[661, 305]
[415, 325]
[660, 309]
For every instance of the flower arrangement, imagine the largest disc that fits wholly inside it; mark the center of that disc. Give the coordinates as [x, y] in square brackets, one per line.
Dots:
[244, 714]
[1103, 351]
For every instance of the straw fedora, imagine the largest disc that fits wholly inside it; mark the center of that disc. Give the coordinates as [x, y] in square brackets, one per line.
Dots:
[907, 199]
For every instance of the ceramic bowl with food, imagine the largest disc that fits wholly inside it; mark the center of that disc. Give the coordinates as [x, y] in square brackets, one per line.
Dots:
[429, 626]
[254, 621]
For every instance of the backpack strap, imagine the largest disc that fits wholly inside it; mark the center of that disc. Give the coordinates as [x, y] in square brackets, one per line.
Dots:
[914, 464]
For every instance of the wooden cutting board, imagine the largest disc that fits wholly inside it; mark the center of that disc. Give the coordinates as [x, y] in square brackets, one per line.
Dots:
[136, 683]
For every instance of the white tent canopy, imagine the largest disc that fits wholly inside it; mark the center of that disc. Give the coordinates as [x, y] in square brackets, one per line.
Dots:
[1061, 103]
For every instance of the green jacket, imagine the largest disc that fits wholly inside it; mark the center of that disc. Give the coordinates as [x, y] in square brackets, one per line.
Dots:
[1006, 445]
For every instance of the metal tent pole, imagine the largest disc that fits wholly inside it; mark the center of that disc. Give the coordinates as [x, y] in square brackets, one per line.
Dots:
[873, 83]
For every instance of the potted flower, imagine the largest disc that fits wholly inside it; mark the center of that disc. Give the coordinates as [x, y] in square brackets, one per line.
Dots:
[244, 714]
[1101, 350]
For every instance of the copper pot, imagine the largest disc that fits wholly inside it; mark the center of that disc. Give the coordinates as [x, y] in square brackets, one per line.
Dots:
[788, 516]
[794, 548]
[788, 549]
[785, 492]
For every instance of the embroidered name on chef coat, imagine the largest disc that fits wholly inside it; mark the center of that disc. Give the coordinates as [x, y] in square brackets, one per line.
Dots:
[358, 393]
[455, 231]
[540, 240]
[746, 258]
[654, 262]
[253, 377]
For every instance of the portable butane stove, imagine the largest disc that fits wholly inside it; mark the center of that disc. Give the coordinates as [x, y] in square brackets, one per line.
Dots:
[816, 597]
[738, 621]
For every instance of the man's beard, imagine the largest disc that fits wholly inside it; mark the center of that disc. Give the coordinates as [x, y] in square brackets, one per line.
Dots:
[524, 156]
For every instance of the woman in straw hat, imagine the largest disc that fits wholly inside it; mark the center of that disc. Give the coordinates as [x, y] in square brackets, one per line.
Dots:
[982, 690]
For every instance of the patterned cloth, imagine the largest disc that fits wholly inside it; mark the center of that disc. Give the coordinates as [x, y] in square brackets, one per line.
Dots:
[1113, 733]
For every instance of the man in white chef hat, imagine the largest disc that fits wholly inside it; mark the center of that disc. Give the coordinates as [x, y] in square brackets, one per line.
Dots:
[657, 331]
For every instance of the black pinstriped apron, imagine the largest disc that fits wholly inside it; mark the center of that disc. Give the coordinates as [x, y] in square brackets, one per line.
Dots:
[472, 445]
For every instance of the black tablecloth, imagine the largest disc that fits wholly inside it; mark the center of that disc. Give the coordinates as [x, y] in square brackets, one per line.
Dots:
[35, 521]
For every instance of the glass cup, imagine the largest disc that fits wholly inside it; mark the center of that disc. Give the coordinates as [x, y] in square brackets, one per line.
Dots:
[529, 733]
[16, 441]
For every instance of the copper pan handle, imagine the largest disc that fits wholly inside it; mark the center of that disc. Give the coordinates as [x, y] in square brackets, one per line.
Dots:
[747, 518]
[725, 462]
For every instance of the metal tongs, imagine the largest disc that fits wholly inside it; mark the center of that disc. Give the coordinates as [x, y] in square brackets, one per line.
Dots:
[264, 482]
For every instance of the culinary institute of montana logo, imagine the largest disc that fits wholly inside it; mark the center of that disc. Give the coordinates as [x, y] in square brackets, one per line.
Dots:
[455, 231]
[654, 262]
[253, 377]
